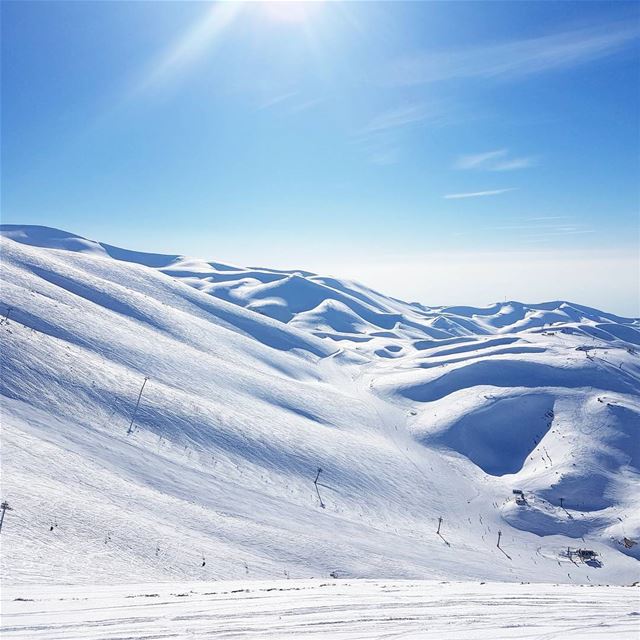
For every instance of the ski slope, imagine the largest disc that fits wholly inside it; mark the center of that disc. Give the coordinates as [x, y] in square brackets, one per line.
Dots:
[256, 379]
[341, 609]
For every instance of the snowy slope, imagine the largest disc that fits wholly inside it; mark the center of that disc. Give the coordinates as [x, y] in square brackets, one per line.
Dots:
[256, 379]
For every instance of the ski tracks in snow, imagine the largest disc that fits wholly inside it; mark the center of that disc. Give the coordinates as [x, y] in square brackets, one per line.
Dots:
[290, 609]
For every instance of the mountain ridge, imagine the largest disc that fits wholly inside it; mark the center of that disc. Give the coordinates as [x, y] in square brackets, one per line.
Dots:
[409, 422]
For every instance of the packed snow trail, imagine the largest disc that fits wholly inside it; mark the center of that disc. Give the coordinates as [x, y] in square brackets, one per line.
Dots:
[336, 609]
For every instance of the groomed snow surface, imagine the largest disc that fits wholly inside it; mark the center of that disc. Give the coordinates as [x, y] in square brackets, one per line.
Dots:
[258, 378]
[291, 609]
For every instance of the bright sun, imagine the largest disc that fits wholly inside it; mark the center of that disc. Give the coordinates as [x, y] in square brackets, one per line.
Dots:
[292, 12]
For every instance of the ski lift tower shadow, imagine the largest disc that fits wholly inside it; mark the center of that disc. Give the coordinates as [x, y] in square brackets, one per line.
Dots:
[440, 519]
[317, 484]
[499, 547]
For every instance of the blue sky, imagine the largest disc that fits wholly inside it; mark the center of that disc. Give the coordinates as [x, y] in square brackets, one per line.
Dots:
[441, 152]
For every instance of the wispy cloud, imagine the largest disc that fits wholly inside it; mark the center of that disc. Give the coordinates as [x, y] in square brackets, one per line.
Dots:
[291, 102]
[538, 218]
[277, 99]
[304, 105]
[550, 235]
[477, 194]
[514, 59]
[381, 137]
[397, 118]
[385, 157]
[473, 161]
[511, 164]
[498, 160]
[542, 229]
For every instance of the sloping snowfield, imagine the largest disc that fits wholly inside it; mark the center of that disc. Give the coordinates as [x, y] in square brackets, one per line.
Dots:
[417, 423]
[291, 609]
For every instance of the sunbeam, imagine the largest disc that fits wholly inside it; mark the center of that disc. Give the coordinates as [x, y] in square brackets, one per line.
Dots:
[201, 37]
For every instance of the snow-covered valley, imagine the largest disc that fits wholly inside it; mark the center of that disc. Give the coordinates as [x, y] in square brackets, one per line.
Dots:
[420, 419]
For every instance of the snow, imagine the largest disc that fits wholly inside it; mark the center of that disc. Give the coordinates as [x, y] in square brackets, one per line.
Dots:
[322, 609]
[259, 377]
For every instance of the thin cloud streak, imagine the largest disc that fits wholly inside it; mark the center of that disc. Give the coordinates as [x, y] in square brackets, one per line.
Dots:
[477, 194]
[513, 60]
[498, 160]
[305, 105]
[514, 164]
[278, 99]
[475, 160]
[561, 232]
[552, 218]
[397, 118]
[381, 137]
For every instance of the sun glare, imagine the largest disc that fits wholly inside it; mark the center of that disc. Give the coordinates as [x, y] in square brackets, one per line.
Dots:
[291, 12]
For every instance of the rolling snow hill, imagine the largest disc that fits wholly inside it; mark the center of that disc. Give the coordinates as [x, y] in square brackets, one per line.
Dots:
[258, 378]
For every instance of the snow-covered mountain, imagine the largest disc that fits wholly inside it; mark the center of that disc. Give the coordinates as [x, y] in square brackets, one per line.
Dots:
[258, 378]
